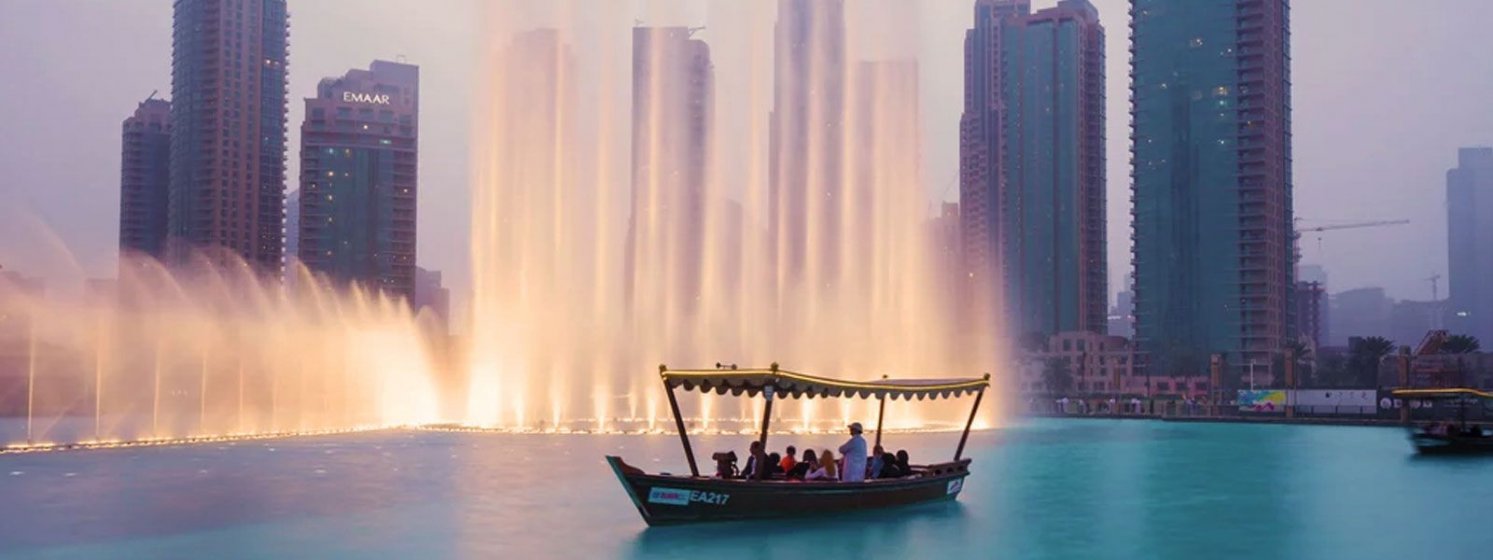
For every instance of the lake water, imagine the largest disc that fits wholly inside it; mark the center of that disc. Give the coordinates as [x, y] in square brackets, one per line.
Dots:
[1040, 489]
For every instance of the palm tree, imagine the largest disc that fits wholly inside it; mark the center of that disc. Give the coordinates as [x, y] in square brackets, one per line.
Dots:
[1057, 376]
[1302, 357]
[1366, 354]
[1460, 344]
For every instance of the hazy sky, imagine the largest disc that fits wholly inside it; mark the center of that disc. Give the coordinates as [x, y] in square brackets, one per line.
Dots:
[1384, 92]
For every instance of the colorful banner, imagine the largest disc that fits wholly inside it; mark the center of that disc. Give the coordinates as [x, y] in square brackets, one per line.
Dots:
[1264, 400]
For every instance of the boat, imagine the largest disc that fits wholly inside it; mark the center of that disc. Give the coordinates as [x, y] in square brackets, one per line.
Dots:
[667, 499]
[1447, 438]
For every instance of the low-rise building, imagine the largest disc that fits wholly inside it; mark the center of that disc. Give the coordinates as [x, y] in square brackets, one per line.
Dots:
[1096, 365]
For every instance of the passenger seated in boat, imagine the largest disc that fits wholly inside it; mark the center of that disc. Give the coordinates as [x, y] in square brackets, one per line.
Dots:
[827, 468]
[889, 468]
[874, 463]
[754, 460]
[789, 461]
[902, 462]
[773, 470]
[801, 470]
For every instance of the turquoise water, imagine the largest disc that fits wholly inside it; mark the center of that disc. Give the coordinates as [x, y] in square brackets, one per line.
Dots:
[1041, 489]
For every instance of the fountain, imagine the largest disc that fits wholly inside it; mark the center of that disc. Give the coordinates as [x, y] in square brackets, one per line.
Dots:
[615, 228]
[112, 370]
[646, 191]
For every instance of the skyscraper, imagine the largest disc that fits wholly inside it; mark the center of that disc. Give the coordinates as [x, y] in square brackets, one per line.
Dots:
[359, 156]
[1211, 173]
[228, 89]
[144, 179]
[805, 133]
[1469, 227]
[1032, 164]
[292, 226]
[672, 106]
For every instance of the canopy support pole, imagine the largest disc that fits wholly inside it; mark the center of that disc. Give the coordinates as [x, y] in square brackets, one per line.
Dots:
[959, 453]
[762, 439]
[880, 414]
[689, 454]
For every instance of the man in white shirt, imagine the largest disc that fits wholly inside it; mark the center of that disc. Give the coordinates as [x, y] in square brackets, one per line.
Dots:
[854, 452]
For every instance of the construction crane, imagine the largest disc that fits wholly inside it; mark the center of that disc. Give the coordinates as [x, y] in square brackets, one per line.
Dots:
[1350, 225]
[1353, 225]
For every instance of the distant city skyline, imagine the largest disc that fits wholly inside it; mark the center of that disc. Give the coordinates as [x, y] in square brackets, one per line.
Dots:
[1417, 96]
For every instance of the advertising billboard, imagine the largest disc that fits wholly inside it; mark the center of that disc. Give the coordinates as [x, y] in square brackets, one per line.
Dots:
[1262, 400]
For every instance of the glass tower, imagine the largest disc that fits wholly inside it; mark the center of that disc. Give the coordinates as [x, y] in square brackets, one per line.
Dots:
[145, 174]
[228, 90]
[1211, 180]
[1032, 164]
[1469, 226]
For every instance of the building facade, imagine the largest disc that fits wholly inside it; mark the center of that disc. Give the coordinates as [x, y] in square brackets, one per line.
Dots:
[1469, 226]
[1361, 312]
[1311, 313]
[145, 180]
[1032, 163]
[432, 296]
[1211, 175]
[805, 135]
[359, 159]
[228, 90]
[292, 229]
[673, 84]
[1098, 366]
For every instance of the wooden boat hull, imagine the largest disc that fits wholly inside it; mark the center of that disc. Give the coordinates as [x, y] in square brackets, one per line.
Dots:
[1427, 444]
[669, 500]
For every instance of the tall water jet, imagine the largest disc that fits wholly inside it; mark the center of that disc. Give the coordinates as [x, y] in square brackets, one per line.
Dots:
[780, 220]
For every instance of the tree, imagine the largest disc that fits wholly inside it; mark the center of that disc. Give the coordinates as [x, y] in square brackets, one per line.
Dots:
[1057, 376]
[1460, 344]
[1303, 358]
[1332, 372]
[1364, 357]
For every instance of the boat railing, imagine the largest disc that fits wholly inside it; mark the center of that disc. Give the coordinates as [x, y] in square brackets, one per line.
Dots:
[943, 469]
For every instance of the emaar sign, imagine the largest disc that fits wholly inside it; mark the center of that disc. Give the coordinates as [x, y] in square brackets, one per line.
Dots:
[374, 98]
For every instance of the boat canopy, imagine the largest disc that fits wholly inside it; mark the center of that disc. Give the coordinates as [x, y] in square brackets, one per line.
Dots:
[1441, 394]
[788, 384]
